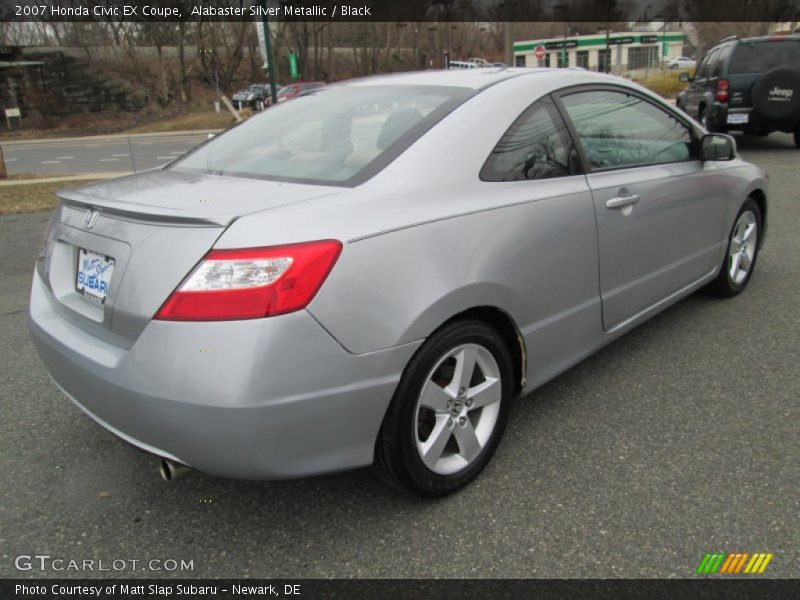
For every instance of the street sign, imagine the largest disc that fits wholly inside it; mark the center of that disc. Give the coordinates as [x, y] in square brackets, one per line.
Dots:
[539, 52]
[293, 71]
[13, 113]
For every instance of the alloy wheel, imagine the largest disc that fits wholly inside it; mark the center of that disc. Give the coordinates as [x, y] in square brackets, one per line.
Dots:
[457, 409]
[742, 249]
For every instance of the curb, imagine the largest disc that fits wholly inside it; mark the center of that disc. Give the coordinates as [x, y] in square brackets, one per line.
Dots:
[64, 178]
[110, 137]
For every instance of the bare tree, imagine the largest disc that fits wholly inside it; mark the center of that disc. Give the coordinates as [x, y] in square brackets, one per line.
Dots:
[221, 50]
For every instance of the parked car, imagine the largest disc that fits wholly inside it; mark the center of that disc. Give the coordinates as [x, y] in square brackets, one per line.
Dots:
[750, 85]
[682, 62]
[293, 90]
[252, 97]
[323, 287]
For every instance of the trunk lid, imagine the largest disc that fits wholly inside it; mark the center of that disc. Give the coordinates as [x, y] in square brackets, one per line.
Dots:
[148, 231]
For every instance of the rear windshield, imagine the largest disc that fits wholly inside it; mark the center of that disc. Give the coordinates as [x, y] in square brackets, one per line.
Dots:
[760, 57]
[333, 136]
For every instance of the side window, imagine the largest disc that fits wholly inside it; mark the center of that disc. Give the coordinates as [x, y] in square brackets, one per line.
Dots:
[704, 68]
[617, 129]
[720, 59]
[536, 146]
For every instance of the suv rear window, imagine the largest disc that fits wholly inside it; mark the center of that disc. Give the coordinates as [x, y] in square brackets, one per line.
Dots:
[760, 57]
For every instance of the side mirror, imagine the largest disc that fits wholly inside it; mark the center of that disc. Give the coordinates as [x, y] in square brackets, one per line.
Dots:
[684, 77]
[717, 146]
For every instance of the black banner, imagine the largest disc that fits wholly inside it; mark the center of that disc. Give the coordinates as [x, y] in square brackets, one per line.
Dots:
[561, 44]
[600, 11]
[390, 589]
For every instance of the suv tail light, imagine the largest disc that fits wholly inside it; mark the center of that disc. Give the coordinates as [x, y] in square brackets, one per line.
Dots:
[251, 283]
[722, 90]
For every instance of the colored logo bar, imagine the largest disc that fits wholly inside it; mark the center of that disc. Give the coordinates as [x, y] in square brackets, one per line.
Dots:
[733, 563]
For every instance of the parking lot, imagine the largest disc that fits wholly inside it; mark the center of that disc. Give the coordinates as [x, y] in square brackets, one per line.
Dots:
[679, 439]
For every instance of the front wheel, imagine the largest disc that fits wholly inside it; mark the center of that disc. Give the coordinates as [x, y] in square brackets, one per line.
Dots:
[740, 258]
[797, 137]
[448, 412]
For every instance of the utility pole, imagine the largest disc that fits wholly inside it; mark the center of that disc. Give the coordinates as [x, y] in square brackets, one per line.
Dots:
[562, 8]
[273, 87]
[508, 37]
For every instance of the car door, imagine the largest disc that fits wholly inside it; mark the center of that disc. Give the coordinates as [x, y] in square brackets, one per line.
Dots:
[658, 215]
[534, 171]
[697, 88]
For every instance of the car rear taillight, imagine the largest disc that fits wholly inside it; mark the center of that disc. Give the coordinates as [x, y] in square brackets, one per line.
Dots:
[252, 283]
[722, 90]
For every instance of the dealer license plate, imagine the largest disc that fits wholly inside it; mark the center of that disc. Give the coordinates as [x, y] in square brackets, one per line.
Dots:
[737, 118]
[94, 274]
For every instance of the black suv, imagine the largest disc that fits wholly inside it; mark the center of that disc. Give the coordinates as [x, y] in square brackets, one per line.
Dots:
[750, 85]
[253, 96]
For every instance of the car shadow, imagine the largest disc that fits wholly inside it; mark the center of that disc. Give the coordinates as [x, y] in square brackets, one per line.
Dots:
[774, 141]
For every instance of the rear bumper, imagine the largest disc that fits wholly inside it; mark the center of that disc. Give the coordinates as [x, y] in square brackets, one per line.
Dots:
[263, 399]
[722, 113]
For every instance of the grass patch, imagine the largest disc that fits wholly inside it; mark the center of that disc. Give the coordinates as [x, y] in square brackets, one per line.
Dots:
[206, 119]
[664, 83]
[35, 197]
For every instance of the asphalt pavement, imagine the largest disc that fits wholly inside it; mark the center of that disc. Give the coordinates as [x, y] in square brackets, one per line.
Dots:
[100, 154]
[679, 439]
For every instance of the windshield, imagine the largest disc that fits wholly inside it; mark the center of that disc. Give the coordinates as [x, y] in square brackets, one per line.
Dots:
[330, 136]
[760, 57]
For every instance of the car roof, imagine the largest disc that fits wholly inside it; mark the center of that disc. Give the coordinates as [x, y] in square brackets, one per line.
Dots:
[477, 79]
[763, 38]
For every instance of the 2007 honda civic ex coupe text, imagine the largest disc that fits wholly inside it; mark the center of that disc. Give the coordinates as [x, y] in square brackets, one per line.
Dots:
[372, 272]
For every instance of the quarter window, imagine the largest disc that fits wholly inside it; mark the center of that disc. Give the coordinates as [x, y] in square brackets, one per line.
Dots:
[704, 69]
[616, 129]
[536, 146]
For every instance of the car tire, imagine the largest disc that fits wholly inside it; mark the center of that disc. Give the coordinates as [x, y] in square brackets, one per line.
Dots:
[442, 428]
[702, 118]
[797, 137]
[741, 252]
[708, 124]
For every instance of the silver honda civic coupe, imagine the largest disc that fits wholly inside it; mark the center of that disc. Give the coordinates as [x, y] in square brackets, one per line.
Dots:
[371, 273]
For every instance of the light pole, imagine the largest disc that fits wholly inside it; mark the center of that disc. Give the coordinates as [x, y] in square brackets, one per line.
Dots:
[508, 35]
[562, 8]
[273, 87]
[662, 47]
[606, 66]
[398, 27]
[431, 46]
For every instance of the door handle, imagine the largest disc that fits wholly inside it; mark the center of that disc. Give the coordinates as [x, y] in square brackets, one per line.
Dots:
[622, 201]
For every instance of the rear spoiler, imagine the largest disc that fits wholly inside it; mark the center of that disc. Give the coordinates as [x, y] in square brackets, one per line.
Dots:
[144, 212]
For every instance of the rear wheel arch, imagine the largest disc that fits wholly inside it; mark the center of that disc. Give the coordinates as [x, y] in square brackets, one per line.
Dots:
[505, 325]
[761, 200]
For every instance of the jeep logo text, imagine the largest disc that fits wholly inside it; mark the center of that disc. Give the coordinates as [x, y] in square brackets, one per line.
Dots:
[781, 94]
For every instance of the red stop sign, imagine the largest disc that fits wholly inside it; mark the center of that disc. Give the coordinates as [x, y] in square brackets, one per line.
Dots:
[539, 52]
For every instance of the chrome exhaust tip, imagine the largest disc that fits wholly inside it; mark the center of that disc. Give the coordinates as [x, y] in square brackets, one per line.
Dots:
[172, 471]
